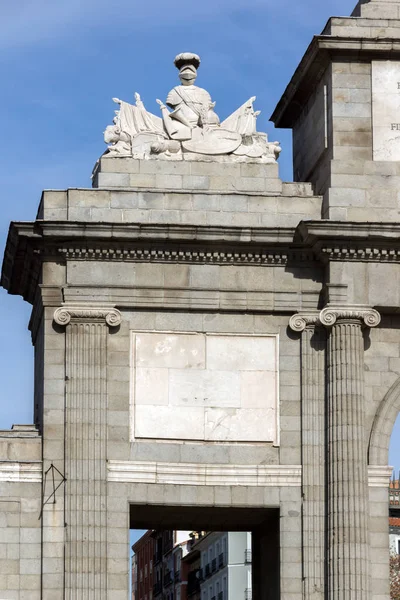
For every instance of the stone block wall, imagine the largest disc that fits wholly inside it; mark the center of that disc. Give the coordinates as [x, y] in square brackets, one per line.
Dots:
[246, 195]
[20, 506]
[311, 135]
[193, 172]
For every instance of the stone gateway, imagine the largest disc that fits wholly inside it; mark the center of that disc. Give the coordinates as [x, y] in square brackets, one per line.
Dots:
[216, 349]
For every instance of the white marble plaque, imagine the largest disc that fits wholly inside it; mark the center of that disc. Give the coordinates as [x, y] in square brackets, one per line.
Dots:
[386, 110]
[204, 387]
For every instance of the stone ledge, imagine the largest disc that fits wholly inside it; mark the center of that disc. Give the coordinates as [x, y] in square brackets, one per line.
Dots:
[203, 474]
[199, 207]
[21, 472]
[20, 431]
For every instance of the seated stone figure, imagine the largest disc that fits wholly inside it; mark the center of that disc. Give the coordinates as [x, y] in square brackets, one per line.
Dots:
[192, 126]
[192, 106]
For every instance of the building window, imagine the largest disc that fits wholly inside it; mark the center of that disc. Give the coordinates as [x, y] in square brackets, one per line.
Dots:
[141, 575]
[145, 570]
[151, 566]
[224, 548]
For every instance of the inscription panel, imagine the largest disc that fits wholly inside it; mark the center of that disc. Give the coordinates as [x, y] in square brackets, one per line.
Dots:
[386, 110]
[204, 387]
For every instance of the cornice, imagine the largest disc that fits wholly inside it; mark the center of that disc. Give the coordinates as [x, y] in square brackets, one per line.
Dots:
[146, 231]
[314, 63]
[171, 253]
[340, 241]
[65, 314]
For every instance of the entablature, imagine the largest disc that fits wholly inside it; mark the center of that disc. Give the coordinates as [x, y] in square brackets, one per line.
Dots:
[351, 241]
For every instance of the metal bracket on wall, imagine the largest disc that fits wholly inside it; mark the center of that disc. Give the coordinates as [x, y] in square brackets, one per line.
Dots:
[51, 469]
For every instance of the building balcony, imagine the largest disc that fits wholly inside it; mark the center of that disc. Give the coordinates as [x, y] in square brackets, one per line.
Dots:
[214, 565]
[221, 560]
[247, 557]
[247, 594]
[220, 595]
[208, 570]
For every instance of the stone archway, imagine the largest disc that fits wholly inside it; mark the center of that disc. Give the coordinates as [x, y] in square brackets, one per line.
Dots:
[382, 427]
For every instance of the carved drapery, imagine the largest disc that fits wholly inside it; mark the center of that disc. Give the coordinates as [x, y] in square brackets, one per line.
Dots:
[86, 449]
[348, 510]
[313, 344]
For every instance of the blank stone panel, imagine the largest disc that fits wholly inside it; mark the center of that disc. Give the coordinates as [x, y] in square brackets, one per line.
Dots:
[386, 110]
[163, 351]
[204, 387]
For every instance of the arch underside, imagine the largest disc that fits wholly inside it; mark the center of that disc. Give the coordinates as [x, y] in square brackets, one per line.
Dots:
[382, 427]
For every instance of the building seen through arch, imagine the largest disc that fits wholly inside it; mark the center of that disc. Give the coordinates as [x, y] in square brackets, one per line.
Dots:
[198, 565]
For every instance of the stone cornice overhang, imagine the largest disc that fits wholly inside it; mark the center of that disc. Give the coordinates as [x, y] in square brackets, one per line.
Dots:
[320, 53]
[29, 244]
[350, 241]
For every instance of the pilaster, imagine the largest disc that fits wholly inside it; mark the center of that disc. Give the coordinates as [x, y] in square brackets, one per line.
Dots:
[313, 345]
[86, 448]
[348, 509]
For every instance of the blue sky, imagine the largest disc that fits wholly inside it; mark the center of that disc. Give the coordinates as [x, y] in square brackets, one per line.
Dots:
[62, 62]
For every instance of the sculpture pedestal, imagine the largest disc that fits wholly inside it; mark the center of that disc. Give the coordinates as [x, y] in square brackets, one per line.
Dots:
[192, 172]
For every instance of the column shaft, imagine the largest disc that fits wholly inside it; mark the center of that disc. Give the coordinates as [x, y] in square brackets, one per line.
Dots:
[348, 471]
[313, 346]
[86, 455]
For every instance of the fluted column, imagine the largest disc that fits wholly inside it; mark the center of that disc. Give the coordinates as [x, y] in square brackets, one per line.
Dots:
[86, 449]
[348, 560]
[313, 345]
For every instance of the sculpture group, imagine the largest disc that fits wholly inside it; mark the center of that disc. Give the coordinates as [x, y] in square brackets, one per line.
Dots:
[192, 126]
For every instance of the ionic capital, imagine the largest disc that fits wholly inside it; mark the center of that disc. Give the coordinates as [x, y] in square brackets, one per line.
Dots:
[356, 312]
[300, 321]
[65, 314]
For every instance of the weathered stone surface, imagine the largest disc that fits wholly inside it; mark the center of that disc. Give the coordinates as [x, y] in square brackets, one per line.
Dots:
[169, 372]
[179, 379]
